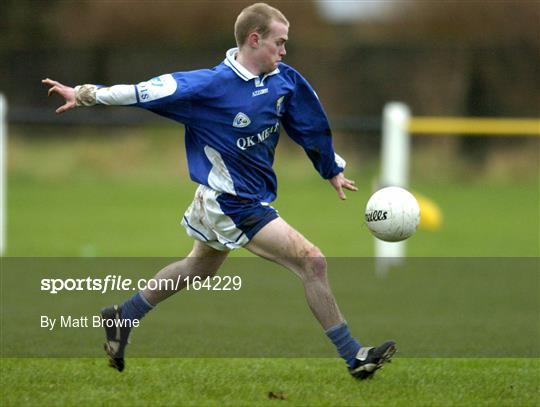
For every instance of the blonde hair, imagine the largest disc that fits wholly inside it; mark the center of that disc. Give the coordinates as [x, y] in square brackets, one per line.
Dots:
[256, 17]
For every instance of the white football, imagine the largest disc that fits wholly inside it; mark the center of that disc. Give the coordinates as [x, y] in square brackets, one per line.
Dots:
[392, 214]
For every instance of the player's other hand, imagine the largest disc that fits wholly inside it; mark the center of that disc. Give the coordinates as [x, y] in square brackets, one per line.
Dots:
[339, 182]
[64, 91]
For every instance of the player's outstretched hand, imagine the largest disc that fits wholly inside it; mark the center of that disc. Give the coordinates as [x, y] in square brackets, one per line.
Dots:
[339, 182]
[66, 92]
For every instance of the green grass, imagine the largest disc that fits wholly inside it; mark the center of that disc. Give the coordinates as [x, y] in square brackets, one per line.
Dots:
[127, 216]
[124, 196]
[405, 382]
[114, 218]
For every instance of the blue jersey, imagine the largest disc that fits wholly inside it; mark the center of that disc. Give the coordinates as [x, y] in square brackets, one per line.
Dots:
[232, 124]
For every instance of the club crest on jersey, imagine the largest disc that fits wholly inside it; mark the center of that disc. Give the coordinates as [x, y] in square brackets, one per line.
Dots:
[279, 104]
[241, 120]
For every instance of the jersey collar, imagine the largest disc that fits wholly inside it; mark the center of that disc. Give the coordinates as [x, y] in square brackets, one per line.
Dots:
[239, 69]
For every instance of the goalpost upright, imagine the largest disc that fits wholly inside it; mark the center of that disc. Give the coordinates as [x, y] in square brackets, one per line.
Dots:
[394, 172]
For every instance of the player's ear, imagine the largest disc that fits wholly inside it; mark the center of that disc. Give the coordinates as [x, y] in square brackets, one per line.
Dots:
[254, 39]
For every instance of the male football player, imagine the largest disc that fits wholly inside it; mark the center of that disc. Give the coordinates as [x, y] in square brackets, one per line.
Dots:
[232, 115]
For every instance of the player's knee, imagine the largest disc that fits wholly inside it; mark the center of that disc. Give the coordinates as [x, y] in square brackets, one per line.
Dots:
[315, 264]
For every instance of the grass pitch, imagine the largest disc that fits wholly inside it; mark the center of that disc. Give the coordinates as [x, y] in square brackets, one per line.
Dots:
[315, 382]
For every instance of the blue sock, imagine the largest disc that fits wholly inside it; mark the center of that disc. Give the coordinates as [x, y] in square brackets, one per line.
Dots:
[135, 307]
[346, 345]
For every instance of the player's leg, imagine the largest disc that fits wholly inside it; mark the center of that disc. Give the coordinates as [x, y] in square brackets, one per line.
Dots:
[202, 261]
[279, 242]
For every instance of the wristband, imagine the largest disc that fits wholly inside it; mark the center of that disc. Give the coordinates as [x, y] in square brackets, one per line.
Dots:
[85, 95]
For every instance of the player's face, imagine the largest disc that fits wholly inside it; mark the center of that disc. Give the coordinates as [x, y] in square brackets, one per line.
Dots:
[272, 47]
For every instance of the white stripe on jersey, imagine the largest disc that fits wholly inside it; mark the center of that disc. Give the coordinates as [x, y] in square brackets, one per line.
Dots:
[219, 177]
[156, 88]
[116, 95]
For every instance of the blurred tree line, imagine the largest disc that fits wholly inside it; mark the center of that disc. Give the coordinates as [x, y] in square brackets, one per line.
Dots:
[446, 57]
[474, 58]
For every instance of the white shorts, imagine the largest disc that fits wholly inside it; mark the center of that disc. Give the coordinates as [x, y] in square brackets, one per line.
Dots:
[223, 221]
